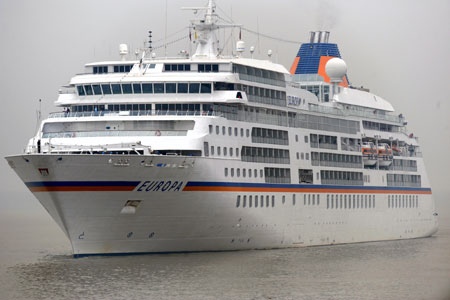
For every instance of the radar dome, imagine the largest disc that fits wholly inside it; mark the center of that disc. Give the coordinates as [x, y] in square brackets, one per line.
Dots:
[336, 68]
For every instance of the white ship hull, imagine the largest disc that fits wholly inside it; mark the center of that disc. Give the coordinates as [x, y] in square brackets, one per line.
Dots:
[197, 210]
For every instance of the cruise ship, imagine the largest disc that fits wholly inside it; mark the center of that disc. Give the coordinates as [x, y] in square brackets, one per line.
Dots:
[207, 152]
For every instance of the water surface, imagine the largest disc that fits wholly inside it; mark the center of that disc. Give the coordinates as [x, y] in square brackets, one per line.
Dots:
[36, 263]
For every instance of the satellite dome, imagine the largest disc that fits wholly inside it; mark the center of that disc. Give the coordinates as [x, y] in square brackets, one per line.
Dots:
[336, 68]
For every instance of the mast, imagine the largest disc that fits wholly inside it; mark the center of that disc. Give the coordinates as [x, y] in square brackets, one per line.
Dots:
[205, 31]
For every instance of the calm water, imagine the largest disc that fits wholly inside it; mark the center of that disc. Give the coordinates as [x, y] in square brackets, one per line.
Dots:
[35, 263]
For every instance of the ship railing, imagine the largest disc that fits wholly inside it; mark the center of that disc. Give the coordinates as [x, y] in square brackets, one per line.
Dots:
[339, 112]
[342, 182]
[133, 113]
[403, 168]
[336, 164]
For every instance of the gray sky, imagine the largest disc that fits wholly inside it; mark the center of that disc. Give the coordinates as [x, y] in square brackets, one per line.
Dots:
[399, 49]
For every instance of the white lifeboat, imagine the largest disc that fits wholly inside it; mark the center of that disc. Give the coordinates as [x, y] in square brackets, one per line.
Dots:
[369, 152]
[384, 152]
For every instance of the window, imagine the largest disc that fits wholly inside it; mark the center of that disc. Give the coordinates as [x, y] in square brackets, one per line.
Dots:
[237, 152]
[206, 148]
[232, 173]
[126, 88]
[230, 131]
[249, 200]
[238, 201]
[212, 150]
[158, 88]
[306, 139]
[97, 89]
[115, 89]
[177, 67]
[293, 199]
[298, 155]
[137, 88]
[194, 88]
[244, 203]
[226, 172]
[171, 88]
[238, 173]
[242, 129]
[247, 133]
[283, 199]
[267, 201]
[182, 88]
[80, 90]
[225, 151]
[307, 156]
[256, 199]
[273, 201]
[147, 88]
[244, 171]
[210, 129]
[296, 137]
[88, 90]
[217, 129]
[205, 88]
[218, 150]
[255, 172]
[106, 88]
[223, 130]
[208, 68]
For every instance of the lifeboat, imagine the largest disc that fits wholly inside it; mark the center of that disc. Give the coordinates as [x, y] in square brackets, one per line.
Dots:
[384, 152]
[369, 152]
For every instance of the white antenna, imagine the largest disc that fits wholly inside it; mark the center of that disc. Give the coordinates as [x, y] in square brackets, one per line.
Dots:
[165, 35]
[257, 30]
[252, 49]
[38, 115]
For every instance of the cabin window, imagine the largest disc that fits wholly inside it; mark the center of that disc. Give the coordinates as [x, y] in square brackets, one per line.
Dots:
[171, 88]
[106, 88]
[126, 88]
[80, 90]
[116, 89]
[182, 88]
[137, 88]
[159, 88]
[97, 90]
[205, 88]
[194, 88]
[88, 90]
[147, 88]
